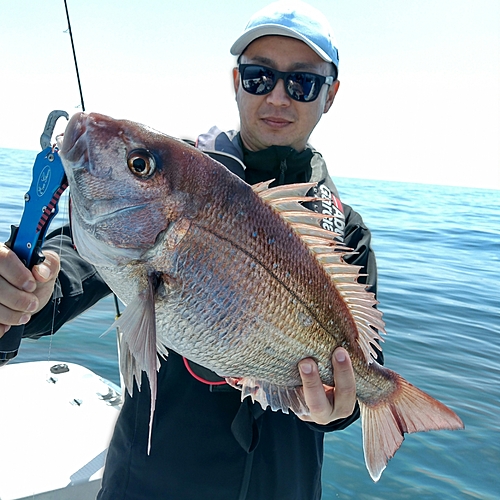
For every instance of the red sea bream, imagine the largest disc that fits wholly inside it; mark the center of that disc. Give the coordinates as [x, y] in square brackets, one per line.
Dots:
[240, 279]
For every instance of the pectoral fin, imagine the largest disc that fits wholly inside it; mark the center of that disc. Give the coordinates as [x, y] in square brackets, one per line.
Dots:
[138, 346]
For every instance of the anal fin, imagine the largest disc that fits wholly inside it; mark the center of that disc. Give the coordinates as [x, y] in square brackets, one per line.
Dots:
[267, 394]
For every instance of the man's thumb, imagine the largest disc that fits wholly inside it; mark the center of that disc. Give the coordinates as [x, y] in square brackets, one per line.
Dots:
[49, 268]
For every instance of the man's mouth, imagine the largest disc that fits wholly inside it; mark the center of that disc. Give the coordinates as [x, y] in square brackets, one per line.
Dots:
[276, 122]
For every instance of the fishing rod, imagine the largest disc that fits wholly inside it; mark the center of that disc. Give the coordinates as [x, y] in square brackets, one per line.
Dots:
[74, 55]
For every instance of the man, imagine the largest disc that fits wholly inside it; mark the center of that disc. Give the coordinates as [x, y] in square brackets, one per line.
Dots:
[206, 443]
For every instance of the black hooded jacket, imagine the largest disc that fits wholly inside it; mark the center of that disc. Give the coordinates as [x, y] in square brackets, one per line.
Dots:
[206, 443]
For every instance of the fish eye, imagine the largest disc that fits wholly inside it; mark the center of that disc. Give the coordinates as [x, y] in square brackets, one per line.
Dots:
[141, 163]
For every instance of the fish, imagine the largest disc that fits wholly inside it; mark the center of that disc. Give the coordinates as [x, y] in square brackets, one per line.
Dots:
[240, 279]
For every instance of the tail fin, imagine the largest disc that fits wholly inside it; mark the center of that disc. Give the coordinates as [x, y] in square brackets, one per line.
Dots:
[406, 410]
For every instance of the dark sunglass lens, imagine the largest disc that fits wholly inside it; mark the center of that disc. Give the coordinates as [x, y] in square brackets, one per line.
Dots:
[303, 87]
[257, 80]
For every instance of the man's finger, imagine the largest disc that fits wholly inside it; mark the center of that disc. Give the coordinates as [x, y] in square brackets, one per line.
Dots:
[320, 406]
[345, 383]
[14, 301]
[14, 271]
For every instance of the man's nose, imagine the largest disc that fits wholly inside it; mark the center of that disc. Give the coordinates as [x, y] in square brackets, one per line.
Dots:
[278, 96]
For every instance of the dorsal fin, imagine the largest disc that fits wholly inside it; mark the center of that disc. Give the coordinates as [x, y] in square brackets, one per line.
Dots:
[286, 200]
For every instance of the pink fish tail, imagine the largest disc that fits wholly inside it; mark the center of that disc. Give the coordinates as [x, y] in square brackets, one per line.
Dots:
[407, 409]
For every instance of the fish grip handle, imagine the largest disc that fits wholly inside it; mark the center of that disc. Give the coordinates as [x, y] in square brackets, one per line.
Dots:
[41, 206]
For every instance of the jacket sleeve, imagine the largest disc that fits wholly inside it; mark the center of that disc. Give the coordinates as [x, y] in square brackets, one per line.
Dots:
[78, 287]
[358, 237]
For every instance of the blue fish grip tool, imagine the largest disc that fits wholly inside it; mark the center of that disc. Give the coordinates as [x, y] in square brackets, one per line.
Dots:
[40, 207]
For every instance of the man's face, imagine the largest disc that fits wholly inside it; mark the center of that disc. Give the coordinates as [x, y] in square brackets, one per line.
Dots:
[275, 119]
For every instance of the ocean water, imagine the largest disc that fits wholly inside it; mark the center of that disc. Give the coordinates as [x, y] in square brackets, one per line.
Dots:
[438, 253]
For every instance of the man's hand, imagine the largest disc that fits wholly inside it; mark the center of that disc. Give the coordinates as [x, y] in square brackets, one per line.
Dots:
[327, 404]
[24, 292]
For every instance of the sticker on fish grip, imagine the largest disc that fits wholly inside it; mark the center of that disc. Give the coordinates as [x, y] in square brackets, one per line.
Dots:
[43, 181]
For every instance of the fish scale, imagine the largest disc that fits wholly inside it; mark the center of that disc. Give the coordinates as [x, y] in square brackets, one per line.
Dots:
[279, 280]
[242, 280]
[208, 278]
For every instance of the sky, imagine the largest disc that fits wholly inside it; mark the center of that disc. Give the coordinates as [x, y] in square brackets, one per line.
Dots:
[419, 97]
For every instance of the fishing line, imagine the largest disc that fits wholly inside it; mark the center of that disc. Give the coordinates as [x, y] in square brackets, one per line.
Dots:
[64, 217]
[67, 201]
[117, 308]
[74, 55]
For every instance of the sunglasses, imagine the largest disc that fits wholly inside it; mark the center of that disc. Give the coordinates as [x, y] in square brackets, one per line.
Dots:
[299, 85]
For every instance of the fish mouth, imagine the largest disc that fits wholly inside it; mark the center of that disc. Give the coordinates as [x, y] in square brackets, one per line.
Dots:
[72, 144]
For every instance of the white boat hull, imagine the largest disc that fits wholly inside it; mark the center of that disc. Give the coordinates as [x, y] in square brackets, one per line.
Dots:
[55, 427]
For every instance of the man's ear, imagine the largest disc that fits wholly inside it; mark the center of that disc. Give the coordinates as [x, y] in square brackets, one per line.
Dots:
[236, 80]
[332, 92]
